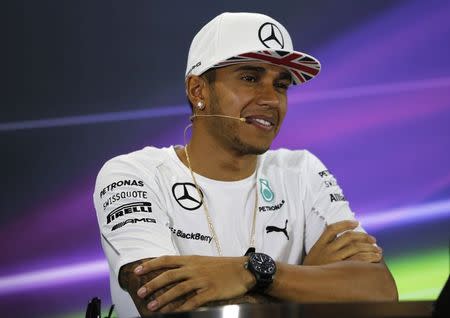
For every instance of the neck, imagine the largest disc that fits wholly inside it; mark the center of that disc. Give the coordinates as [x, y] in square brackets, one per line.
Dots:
[211, 160]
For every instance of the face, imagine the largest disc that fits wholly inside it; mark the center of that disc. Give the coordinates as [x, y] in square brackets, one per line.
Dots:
[254, 91]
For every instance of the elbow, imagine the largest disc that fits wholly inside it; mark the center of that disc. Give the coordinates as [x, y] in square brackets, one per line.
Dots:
[391, 292]
[388, 294]
[379, 284]
[387, 288]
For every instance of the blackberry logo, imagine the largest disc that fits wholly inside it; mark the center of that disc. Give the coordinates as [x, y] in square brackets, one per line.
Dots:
[191, 236]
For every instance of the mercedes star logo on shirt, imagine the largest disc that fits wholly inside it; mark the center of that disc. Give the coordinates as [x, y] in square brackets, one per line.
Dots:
[271, 36]
[187, 196]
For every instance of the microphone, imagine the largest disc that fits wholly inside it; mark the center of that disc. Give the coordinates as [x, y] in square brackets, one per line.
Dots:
[224, 116]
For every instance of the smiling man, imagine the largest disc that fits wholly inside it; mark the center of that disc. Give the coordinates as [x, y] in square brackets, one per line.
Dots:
[224, 219]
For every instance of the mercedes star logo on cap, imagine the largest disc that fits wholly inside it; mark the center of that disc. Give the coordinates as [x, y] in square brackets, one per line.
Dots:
[187, 196]
[271, 36]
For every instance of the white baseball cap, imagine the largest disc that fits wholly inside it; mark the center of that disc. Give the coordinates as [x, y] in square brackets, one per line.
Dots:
[232, 38]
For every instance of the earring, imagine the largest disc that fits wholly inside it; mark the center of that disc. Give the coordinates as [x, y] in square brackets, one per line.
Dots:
[200, 105]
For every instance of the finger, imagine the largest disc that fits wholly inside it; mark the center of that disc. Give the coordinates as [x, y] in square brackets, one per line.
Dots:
[159, 263]
[350, 237]
[194, 302]
[355, 248]
[168, 277]
[171, 306]
[334, 229]
[367, 257]
[173, 293]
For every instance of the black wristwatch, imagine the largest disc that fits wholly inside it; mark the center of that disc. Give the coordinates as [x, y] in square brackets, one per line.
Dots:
[263, 267]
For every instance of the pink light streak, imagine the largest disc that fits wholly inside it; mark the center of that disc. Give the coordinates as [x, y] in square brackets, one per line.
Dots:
[75, 273]
[53, 276]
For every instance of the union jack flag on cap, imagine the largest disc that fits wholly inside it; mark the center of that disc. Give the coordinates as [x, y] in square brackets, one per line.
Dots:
[232, 38]
[301, 66]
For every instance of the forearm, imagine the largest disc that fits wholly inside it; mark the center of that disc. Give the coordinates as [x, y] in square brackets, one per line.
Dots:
[132, 282]
[341, 281]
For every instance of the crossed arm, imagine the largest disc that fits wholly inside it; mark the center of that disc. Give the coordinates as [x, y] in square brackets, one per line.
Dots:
[165, 297]
[338, 268]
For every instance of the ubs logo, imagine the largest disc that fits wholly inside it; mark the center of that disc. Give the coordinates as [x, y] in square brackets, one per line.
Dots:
[187, 196]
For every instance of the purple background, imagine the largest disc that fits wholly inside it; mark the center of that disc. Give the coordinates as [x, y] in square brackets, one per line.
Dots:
[378, 116]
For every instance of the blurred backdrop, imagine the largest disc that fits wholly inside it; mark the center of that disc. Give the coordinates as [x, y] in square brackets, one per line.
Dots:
[84, 81]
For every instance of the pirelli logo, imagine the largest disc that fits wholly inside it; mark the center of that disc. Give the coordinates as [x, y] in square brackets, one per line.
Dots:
[128, 209]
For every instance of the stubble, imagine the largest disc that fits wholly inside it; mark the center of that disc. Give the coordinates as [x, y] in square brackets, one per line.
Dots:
[226, 131]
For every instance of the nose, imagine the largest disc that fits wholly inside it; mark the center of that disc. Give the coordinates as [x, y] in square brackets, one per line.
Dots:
[268, 96]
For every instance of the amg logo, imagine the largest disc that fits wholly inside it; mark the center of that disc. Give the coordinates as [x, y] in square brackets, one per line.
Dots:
[127, 209]
[337, 197]
[324, 173]
[146, 220]
[194, 66]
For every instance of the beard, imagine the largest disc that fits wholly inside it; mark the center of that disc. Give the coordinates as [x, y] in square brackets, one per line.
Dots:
[226, 131]
[248, 149]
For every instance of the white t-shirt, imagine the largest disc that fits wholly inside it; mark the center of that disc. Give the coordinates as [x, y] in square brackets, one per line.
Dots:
[147, 206]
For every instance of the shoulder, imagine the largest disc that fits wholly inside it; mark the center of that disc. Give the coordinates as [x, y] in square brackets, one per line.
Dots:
[293, 160]
[145, 160]
[300, 164]
[139, 166]
[134, 171]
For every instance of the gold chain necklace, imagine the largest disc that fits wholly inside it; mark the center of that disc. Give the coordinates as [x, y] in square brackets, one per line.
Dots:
[208, 217]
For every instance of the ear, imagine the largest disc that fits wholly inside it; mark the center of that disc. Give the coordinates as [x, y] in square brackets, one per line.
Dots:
[197, 90]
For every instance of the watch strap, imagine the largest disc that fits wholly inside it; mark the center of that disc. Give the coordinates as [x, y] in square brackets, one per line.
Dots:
[250, 250]
[262, 281]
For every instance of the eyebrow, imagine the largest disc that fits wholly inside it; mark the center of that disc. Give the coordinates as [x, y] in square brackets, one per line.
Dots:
[282, 76]
[258, 69]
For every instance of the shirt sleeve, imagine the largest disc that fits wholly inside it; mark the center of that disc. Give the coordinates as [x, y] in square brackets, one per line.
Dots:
[325, 201]
[131, 214]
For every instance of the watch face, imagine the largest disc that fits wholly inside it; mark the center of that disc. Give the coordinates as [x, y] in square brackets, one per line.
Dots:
[263, 263]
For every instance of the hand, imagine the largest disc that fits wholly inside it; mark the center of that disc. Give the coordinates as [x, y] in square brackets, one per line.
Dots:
[351, 245]
[205, 278]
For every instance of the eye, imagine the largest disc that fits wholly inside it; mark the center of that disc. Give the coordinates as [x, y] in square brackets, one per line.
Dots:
[282, 85]
[249, 78]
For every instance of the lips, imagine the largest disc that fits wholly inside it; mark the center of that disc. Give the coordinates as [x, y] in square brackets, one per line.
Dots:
[261, 121]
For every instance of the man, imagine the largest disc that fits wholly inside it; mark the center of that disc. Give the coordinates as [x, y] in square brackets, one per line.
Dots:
[223, 218]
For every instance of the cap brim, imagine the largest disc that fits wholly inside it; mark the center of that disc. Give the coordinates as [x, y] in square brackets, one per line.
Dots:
[302, 67]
